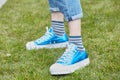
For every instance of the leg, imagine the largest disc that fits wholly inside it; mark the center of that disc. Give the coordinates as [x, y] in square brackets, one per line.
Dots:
[75, 33]
[75, 56]
[57, 16]
[75, 28]
[57, 21]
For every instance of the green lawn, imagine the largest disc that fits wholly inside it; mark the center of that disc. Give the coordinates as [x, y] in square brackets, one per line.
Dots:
[25, 20]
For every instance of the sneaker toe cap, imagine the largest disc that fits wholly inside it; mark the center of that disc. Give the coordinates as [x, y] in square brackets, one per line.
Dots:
[30, 45]
[58, 69]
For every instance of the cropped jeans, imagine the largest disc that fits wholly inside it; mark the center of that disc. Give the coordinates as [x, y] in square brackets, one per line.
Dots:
[71, 9]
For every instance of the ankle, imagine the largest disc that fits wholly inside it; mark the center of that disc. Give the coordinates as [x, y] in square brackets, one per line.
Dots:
[77, 40]
[58, 27]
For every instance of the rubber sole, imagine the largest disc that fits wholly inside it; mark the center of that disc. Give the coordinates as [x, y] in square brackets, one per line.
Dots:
[63, 70]
[31, 46]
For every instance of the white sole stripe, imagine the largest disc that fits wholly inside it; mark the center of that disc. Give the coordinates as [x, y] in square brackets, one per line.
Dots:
[72, 68]
[31, 46]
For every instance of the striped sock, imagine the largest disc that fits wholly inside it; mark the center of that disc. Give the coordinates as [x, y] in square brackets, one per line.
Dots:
[77, 40]
[58, 27]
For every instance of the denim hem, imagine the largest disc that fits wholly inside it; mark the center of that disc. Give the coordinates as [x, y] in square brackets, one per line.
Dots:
[54, 9]
[78, 16]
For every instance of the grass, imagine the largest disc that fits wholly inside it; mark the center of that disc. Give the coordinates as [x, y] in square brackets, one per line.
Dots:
[25, 20]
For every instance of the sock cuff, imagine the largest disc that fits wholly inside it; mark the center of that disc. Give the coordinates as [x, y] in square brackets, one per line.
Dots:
[74, 36]
[58, 21]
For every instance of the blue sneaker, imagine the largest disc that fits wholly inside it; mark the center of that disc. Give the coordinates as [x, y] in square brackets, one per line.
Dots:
[70, 61]
[49, 40]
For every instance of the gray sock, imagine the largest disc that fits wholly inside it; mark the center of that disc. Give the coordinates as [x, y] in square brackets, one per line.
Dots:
[77, 40]
[58, 27]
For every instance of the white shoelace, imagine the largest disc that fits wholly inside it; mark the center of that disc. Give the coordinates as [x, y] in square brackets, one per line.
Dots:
[67, 55]
[44, 37]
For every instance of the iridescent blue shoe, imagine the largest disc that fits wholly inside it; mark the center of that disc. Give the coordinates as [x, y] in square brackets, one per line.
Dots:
[48, 40]
[70, 61]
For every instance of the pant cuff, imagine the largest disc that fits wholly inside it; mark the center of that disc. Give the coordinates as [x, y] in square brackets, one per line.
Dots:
[54, 9]
[75, 17]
